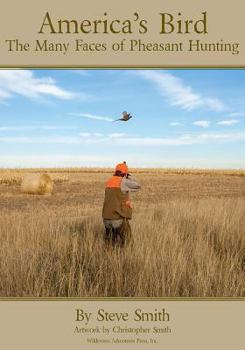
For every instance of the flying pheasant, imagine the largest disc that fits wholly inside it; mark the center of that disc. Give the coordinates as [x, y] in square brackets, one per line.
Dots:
[125, 117]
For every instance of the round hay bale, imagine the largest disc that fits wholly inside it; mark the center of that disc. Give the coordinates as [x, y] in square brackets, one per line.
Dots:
[37, 184]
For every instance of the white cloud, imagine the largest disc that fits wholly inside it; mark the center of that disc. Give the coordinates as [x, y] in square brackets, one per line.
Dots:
[176, 124]
[183, 140]
[24, 83]
[179, 94]
[90, 135]
[202, 123]
[92, 116]
[133, 160]
[56, 160]
[96, 136]
[84, 137]
[41, 140]
[116, 135]
[4, 95]
[237, 114]
[214, 104]
[27, 128]
[85, 134]
[90, 138]
[228, 122]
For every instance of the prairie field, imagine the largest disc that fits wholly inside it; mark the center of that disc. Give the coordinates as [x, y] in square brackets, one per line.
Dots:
[188, 236]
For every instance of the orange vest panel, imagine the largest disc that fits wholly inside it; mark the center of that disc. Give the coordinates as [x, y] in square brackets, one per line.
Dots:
[114, 182]
[116, 203]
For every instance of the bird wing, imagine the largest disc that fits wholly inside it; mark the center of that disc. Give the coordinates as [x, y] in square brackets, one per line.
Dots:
[125, 117]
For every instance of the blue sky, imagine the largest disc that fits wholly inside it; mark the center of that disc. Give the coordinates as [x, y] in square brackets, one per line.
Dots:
[182, 118]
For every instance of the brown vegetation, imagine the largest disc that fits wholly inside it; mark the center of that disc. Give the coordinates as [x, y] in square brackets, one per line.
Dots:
[37, 184]
[188, 229]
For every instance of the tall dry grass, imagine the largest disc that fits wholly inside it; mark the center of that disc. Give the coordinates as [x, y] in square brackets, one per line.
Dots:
[186, 244]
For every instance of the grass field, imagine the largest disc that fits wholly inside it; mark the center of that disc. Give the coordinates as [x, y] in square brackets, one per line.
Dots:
[188, 228]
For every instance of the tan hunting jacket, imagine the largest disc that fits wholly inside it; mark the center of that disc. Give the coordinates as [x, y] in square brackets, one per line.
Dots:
[117, 203]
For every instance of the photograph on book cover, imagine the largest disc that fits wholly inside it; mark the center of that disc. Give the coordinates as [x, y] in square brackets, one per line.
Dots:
[122, 130]
[122, 183]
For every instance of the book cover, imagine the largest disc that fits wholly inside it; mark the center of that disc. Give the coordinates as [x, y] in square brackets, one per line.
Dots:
[122, 130]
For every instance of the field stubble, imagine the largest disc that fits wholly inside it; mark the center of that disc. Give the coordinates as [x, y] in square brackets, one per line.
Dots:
[188, 231]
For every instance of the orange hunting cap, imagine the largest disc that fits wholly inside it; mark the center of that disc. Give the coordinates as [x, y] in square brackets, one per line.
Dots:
[122, 167]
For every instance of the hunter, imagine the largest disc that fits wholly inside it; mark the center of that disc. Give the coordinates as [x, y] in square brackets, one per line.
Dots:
[117, 210]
